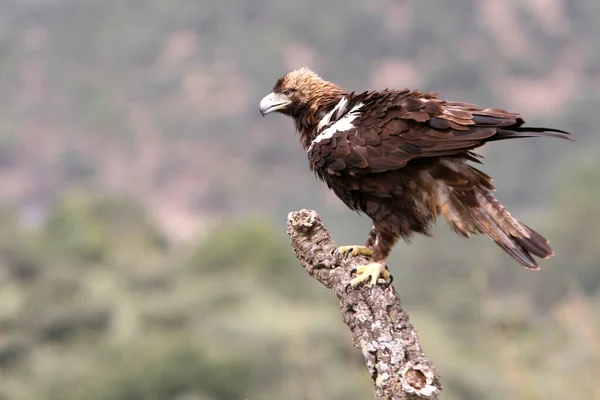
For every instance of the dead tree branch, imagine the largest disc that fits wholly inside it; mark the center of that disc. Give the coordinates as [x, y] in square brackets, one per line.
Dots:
[380, 327]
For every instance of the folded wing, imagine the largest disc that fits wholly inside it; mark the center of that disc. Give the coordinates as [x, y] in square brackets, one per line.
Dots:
[382, 131]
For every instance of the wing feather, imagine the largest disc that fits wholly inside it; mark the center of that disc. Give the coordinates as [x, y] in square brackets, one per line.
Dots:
[383, 131]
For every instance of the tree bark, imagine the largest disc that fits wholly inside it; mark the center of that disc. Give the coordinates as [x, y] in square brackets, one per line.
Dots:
[380, 327]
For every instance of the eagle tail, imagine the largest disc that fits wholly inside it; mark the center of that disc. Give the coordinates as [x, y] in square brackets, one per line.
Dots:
[517, 239]
[463, 195]
[529, 132]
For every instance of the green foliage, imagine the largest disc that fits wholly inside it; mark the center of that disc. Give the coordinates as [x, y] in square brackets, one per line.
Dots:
[97, 229]
[255, 241]
[252, 248]
[165, 372]
[578, 207]
[233, 317]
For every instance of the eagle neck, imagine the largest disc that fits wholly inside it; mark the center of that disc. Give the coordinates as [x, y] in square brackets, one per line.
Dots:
[308, 119]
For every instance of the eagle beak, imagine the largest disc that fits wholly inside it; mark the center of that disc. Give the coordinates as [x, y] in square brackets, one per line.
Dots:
[273, 102]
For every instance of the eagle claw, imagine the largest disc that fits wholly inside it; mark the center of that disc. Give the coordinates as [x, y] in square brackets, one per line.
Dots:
[389, 281]
[353, 250]
[371, 272]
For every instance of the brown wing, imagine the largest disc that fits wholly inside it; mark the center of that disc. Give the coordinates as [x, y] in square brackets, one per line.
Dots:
[392, 128]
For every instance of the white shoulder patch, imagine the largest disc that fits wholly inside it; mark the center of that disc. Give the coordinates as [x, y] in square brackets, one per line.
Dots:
[343, 124]
[325, 120]
[339, 108]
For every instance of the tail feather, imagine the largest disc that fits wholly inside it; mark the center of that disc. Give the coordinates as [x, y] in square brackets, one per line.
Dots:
[518, 248]
[488, 216]
[536, 244]
[463, 195]
[514, 237]
[529, 132]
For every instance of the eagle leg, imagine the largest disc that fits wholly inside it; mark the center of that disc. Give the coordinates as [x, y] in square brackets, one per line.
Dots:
[354, 250]
[372, 271]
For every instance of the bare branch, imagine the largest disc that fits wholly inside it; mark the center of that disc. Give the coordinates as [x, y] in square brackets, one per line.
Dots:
[380, 327]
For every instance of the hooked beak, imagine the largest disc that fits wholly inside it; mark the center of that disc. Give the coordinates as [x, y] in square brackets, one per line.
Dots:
[273, 102]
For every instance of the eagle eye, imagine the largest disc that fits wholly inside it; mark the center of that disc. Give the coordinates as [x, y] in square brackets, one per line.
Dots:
[288, 92]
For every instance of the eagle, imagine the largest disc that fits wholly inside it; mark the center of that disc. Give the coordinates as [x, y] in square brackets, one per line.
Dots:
[404, 157]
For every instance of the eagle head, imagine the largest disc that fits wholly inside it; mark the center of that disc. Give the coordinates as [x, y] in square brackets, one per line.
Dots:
[299, 94]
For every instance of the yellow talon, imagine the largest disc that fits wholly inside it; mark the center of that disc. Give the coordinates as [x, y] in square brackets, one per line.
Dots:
[372, 271]
[355, 251]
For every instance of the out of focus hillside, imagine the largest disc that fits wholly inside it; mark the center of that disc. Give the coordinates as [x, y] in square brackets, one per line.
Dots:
[143, 256]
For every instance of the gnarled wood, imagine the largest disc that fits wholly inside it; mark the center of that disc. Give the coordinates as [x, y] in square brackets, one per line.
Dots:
[380, 327]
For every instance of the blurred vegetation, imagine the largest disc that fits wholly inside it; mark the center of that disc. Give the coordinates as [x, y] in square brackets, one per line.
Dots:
[143, 252]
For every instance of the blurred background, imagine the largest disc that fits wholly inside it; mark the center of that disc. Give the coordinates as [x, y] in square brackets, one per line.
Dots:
[143, 253]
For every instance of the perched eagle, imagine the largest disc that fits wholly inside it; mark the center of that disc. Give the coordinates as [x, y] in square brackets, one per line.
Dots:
[402, 158]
